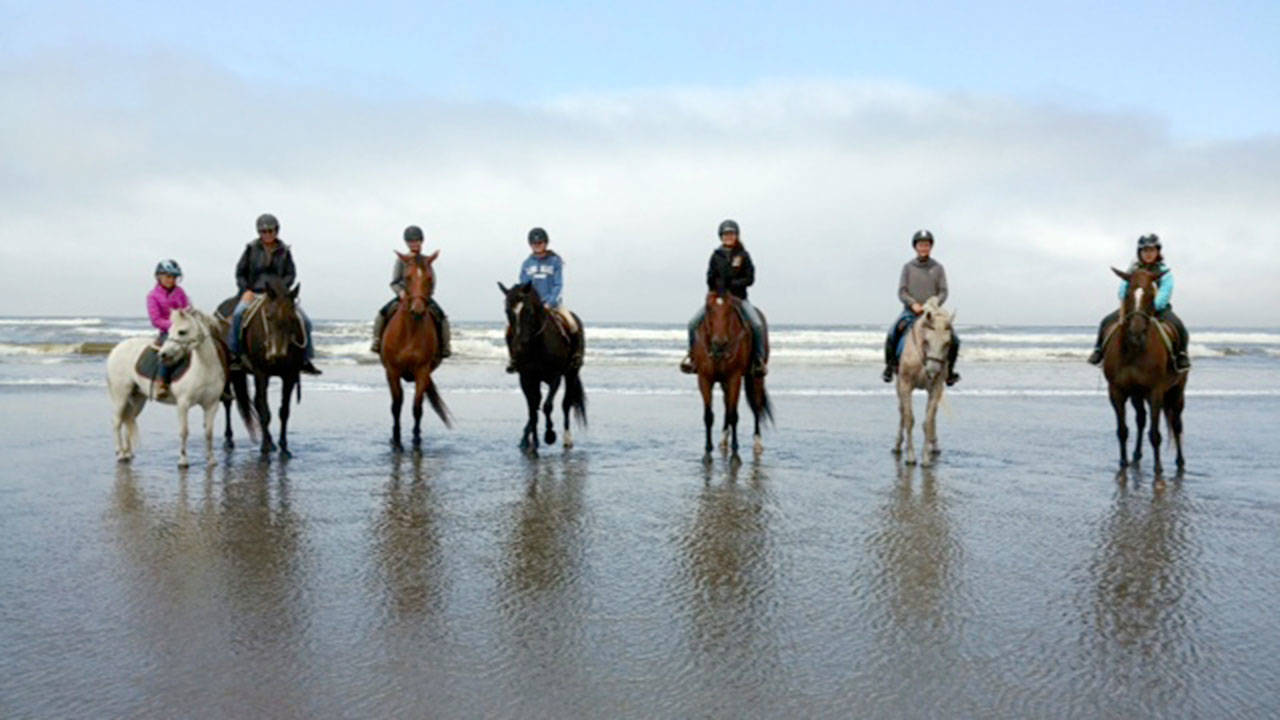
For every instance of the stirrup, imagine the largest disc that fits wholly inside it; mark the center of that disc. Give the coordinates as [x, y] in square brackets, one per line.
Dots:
[953, 378]
[1095, 358]
[887, 375]
[759, 369]
[686, 365]
[309, 368]
[511, 367]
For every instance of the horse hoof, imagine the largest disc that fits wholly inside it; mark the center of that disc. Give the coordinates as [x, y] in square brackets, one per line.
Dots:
[228, 444]
[183, 464]
[911, 460]
[758, 447]
[896, 451]
[284, 453]
[550, 437]
[568, 442]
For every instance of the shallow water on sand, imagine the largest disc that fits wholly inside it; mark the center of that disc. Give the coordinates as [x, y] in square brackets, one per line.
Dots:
[1021, 577]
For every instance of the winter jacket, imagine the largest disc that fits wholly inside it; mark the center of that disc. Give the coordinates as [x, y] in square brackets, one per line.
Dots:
[256, 265]
[731, 269]
[920, 281]
[161, 302]
[547, 275]
[1164, 286]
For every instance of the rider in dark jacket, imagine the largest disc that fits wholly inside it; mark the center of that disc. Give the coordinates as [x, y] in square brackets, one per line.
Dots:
[264, 258]
[730, 269]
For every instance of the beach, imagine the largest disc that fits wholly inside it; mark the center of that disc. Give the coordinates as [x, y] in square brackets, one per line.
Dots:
[1020, 577]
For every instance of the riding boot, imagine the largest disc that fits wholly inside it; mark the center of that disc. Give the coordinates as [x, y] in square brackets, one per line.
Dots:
[1095, 358]
[579, 350]
[890, 357]
[445, 345]
[309, 368]
[511, 357]
[162, 389]
[379, 324]
[686, 365]
[758, 367]
[1181, 361]
[953, 377]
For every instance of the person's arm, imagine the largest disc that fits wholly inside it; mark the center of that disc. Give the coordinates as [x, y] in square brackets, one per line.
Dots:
[746, 276]
[942, 285]
[288, 272]
[903, 295]
[1165, 292]
[159, 316]
[182, 301]
[555, 283]
[397, 279]
[243, 270]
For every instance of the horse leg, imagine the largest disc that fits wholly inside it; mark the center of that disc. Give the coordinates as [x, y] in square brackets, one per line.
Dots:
[1139, 419]
[906, 419]
[931, 423]
[731, 409]
[421, 381]
[264, 412]
[532, 388]
[549, 406]
[210, 420]
[1173, 414]
[288, 382]
[1156, 409]
[755, 398]
[1122, 428]
[708, 417]
[397, 401]
[183, 408]
[568, 432]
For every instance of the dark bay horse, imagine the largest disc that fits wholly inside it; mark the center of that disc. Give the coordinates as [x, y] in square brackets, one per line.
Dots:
[409, 345]
[1138, 369]
[543, 354]
[722, 354]
[273, 345]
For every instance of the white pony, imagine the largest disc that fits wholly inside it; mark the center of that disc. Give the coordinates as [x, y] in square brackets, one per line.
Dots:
[191, 333]
[923, 366]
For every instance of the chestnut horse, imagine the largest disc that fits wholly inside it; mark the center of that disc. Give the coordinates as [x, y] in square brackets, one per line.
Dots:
[543, 354]
[1138, 369]
[409, 347]
[722, 354]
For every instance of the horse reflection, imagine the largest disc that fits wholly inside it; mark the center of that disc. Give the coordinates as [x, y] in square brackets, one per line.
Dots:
[546, 546]
[1140, 584]
[408, 540]
[918, 558]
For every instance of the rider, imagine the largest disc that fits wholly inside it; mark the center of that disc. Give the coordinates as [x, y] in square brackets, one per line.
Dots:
[730, 268]
[413, 239]
[263, 258]
[1151, 259]
[922, 278]
[163, 299]
[545, 270]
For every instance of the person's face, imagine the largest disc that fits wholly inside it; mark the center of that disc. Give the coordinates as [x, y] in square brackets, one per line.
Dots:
[268, 235]
[415, 247]
[923, 248]
[539, 247]
[168, 281]
[729, 239]
[1148, 255]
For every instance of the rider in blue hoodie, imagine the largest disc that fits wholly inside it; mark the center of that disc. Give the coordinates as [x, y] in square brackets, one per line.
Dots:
[545, 271]
[1151, 259]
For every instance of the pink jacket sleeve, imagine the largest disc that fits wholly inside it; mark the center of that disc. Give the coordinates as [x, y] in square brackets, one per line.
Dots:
[159, 314]
[179, 299]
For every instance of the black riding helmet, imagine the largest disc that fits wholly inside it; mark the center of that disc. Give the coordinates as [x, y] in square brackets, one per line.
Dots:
[267, 221]
[538, 235]
[728, 226]
[1150, 240]
[413, 233]
[921, 236]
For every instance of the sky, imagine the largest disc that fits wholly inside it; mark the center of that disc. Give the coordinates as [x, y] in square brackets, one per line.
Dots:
[1036, 141]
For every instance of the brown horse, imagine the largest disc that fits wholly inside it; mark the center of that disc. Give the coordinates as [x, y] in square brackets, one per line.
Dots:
[722, 354]
[409, 347]
[1138, 369]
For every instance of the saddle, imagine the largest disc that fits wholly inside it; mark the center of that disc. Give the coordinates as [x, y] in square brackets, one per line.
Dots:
[149, 364]
[227, 308]
[1167, 332]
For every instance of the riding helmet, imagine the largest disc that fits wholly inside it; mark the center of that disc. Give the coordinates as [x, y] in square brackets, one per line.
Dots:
[538, 235]
[921, 236]
[728, 226]
[1150, 240]
[267, 221]
[413, 233]
[168, 267]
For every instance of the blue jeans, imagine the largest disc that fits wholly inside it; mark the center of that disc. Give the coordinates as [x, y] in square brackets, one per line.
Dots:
[749, 313]
[237, 318]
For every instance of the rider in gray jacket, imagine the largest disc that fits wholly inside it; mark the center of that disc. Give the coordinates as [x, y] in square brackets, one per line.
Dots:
[922, 278]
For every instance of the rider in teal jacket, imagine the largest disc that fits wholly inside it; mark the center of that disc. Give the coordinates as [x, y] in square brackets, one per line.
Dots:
[1150, 258]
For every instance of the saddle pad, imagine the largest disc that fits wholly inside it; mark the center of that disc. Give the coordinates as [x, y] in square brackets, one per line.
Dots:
[149, 364]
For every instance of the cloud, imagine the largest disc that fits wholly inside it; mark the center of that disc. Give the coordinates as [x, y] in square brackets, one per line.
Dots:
[112, 162]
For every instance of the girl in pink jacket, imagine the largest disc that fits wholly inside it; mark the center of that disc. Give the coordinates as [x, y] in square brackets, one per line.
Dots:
[164, 298]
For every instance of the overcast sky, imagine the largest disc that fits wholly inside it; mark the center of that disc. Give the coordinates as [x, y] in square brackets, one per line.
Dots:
[1037, 145]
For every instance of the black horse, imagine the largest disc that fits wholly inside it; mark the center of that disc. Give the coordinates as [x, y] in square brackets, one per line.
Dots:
[543, 352]
[273, 344]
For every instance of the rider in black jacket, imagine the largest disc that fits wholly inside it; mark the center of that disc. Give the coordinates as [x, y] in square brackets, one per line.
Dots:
[730, 269]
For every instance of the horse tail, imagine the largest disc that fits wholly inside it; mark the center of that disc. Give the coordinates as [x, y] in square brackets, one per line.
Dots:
[437, 404]
[575, 396]
[240, 390]
[758, 398]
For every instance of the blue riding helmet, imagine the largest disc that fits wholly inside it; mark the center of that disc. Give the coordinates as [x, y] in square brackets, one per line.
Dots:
[168, 267]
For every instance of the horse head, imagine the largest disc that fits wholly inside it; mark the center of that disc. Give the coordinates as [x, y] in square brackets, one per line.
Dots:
[280, 313]
[724, 324]
[419, 280]
[1138, 307]
[934, 326]
[186, 331]
[525, 313]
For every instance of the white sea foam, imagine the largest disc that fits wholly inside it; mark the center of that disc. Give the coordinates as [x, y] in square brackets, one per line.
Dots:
[52, 321]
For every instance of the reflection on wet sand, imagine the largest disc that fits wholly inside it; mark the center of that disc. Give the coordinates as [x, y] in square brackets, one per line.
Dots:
[728, 592]
[1142, 597]
[407, 540]
[542, 603]
[221, 571]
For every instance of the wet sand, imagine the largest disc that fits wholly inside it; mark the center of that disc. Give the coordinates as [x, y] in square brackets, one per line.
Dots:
[1019, 578]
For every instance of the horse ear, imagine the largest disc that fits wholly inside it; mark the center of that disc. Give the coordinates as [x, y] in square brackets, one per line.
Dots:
[432, 257]
[293, 294]
[403, 257]
[502, 288]
[1123, 275]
